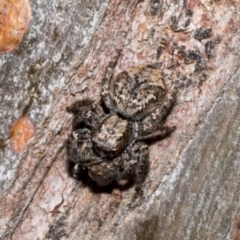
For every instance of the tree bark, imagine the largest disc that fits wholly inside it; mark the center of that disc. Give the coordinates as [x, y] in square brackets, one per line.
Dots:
[192, 189]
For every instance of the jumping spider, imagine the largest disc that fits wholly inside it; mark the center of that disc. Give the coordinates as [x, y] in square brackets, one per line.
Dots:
[109, 135]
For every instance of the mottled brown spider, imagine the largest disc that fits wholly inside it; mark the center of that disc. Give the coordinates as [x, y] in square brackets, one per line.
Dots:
[109, 135]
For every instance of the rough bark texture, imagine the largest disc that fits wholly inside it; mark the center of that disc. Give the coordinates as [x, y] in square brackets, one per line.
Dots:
[192, 189]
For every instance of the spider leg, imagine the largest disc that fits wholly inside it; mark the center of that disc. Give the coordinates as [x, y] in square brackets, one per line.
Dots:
[79, 151]
[87, 113]
[160, 133]
[80, 106]
[106, 82]
[81, 134]
[73, 142]
[139, 159]
[87, 163]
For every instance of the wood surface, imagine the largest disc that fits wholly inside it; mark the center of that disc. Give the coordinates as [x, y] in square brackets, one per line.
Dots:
[192, 189]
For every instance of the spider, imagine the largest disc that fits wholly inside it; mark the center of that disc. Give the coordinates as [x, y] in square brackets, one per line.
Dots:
[109, 138]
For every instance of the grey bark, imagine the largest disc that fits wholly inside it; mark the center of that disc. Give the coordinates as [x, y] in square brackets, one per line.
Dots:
[192, 189]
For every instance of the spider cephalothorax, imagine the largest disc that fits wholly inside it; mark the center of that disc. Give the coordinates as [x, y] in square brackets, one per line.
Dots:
[108, 138]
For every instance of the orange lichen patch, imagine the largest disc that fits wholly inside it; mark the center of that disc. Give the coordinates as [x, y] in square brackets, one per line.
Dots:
[14, 18]
[22, 131]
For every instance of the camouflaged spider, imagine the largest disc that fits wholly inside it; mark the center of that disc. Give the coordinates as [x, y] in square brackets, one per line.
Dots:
[109, 135]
